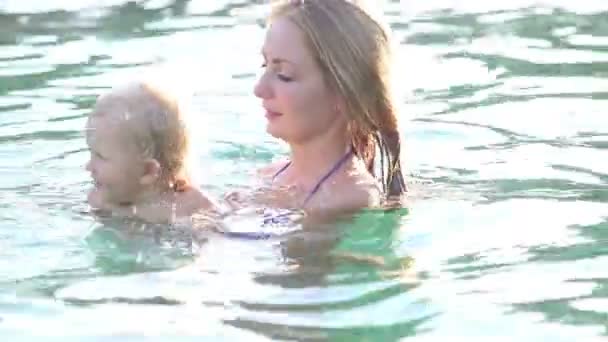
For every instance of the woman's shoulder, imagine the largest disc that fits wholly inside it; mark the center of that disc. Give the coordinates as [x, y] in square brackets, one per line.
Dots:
[358, 191]
[349, 194]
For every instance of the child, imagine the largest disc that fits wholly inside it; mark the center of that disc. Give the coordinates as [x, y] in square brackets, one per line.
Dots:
[140, 153]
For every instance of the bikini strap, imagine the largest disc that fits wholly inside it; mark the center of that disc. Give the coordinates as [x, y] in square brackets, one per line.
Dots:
[317, 186]
[333, 170]
[281, 170]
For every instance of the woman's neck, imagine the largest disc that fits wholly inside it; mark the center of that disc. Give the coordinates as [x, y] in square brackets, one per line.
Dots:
[312, 159]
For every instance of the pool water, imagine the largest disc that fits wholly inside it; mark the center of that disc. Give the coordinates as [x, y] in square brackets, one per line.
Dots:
[506, 145]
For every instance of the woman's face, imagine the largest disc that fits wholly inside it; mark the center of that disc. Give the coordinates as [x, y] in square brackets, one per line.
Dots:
[299, 105]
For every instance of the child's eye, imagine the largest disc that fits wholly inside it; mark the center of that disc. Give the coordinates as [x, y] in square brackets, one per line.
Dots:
[284, 78]
[96, 154]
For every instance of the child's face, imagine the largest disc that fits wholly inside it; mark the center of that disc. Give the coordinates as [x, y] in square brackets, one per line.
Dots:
[115, 166]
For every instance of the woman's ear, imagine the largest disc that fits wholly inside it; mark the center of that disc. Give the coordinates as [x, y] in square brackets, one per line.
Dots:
[339, 104]
[340, 107]
[151, 172]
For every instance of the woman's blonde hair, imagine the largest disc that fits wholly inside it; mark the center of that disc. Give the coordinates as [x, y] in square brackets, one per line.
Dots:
[353, 51]
[155, 122]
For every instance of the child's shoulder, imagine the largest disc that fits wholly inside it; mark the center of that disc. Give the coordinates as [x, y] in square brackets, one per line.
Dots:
[192, 200]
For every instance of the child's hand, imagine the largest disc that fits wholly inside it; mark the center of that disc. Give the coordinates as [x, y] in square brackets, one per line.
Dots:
[100, 206]
[95, 200]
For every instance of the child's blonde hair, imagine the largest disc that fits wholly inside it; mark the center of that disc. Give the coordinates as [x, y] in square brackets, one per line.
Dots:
[155, 122]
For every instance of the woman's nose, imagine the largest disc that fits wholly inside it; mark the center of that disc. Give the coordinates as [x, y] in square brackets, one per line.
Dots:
[262, 88]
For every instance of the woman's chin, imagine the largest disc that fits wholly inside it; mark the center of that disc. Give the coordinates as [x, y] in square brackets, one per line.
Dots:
[274, 131]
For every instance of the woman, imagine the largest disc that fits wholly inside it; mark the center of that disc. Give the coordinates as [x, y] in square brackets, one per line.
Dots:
[327, 94]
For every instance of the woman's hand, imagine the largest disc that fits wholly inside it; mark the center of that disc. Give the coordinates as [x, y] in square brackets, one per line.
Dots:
[234, 200]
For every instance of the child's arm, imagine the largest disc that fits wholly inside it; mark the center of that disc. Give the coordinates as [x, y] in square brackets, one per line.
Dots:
[194, 200]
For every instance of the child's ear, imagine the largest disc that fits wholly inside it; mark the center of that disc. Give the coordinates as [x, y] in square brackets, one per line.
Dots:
[151, 172]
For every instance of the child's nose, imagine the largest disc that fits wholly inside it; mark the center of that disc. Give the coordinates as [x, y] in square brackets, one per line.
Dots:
[88, 166]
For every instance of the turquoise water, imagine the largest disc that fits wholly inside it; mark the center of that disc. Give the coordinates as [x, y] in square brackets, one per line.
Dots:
[506, 239]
